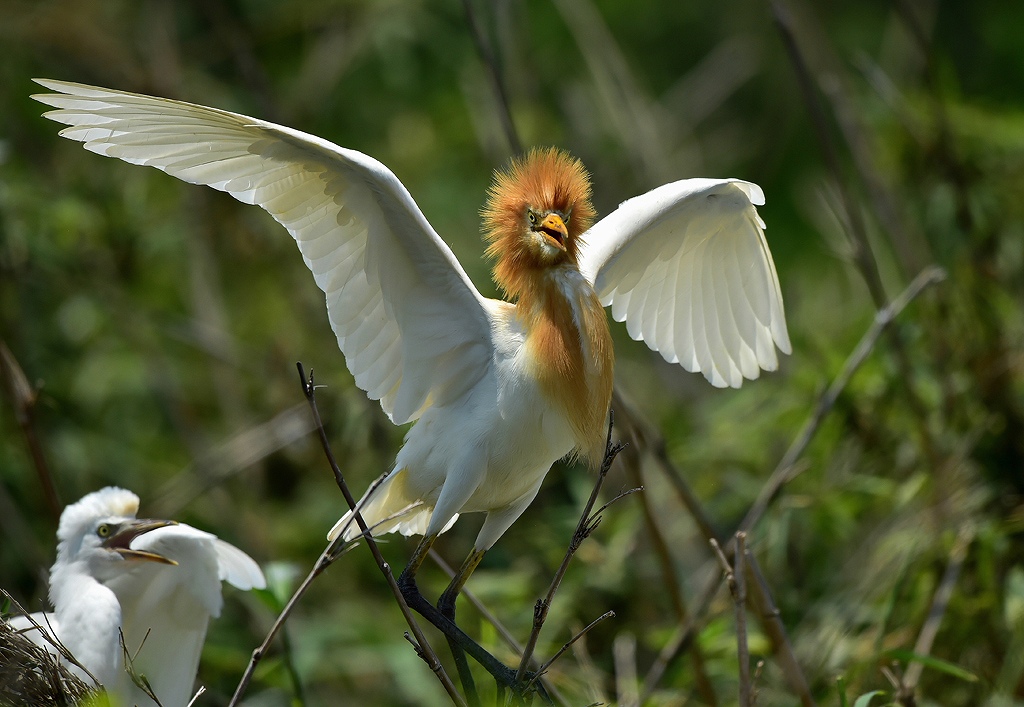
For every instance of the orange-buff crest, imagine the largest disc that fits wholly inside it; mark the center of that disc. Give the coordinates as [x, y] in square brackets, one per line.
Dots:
[546, 179]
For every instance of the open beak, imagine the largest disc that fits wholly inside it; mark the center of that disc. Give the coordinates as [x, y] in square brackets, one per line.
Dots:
[119, 542]
[554, 228]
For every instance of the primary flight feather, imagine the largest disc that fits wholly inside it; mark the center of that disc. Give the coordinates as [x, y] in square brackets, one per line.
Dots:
[500, 390]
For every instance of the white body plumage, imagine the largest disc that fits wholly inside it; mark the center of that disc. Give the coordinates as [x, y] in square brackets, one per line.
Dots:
[488, 450]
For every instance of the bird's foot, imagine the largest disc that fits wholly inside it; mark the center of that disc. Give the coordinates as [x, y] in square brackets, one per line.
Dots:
[503, 675]
[446, 605]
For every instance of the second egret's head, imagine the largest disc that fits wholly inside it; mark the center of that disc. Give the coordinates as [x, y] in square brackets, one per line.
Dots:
[98, 531]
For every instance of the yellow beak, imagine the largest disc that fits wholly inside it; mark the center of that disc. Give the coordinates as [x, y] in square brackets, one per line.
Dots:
[130, 530]
[554, 228]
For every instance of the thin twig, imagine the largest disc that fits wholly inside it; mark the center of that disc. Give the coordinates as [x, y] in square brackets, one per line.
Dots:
[497, 80]
[138, 679]
[754, 681]
[940, 601]
[199, 693]
[23, 401]
[735, 578]
[742, 649]
[584, 528]
[621, 495]
[631, 459]
[425, 651]
[329, 555]
[565, 646]
[723, 561]
[48, 635]
[760, 597]
[863, 256]
[592, 676]
[885, 316]
[624, 658]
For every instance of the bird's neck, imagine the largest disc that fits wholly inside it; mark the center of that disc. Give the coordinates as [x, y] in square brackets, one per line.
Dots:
[88, 621]
[569, 345]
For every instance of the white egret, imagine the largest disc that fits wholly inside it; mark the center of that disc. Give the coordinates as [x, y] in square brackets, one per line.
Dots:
[156, 582]
[500, 390]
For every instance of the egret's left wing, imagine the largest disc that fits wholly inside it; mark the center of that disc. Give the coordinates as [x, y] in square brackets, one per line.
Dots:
[687, 267]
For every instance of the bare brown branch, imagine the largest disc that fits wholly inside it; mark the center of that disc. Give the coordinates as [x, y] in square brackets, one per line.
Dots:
[940, 601]
[23, 401]
[586, 525]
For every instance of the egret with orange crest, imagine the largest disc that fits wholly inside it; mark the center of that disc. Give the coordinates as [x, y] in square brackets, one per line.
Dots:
[500, 390]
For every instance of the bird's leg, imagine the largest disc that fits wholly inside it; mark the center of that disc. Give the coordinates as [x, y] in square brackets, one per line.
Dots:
[418, 603]
[446, 605]
[407, 580]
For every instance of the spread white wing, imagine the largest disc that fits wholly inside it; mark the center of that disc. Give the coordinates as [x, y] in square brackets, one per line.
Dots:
[237, 568]
[407, 317]
[165, 609]
[687, 267]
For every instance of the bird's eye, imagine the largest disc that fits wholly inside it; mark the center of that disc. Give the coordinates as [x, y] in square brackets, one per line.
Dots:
[104, 530]
[566, 219]
[533, 218]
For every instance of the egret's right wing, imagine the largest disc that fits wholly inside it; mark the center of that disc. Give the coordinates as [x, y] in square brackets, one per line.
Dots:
[408, 319]
[237, 568]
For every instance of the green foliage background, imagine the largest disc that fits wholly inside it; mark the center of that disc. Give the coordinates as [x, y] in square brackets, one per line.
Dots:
[161, 323]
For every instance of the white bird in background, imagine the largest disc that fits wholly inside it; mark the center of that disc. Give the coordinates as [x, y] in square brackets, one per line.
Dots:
[157, 582]
[500, 390]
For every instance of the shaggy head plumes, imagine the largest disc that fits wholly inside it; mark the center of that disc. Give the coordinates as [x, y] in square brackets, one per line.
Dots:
[527, 207]
[109, 502]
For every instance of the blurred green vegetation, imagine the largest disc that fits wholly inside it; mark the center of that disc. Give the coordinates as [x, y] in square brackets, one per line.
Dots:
[161, 323]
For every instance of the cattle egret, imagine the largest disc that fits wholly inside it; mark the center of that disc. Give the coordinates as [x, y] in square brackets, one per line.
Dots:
[501, 390]
[156, 582]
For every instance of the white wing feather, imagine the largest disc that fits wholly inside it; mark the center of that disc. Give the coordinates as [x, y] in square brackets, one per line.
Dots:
[687, 267]
[407, 317]
[166, 608]
[237, 568]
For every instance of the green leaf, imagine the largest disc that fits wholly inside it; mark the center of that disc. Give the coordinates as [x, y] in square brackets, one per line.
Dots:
[928, 661]
[865, 699]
